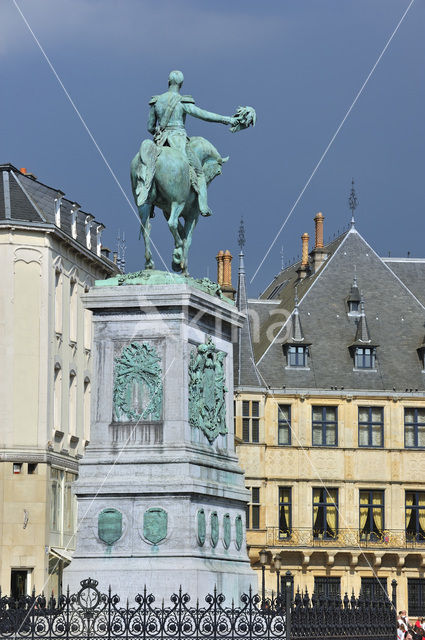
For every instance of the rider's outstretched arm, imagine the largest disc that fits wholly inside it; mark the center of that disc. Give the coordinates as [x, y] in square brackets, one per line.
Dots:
[195, 111]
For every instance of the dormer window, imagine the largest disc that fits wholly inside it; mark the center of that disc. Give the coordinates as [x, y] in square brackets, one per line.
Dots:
[58, 202]
[364, 358]
[297, 356]
[87, 228]
[99, 230]
[354, 299]
[74, 212]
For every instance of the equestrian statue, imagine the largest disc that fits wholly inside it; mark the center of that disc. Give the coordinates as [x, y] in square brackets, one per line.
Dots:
[172, 171]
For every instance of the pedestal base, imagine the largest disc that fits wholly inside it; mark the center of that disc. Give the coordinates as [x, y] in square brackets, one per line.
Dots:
[161, 501]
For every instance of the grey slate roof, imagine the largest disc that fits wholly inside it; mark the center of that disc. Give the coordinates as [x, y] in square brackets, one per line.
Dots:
[34, 202]
[395, 321]
[411, 272]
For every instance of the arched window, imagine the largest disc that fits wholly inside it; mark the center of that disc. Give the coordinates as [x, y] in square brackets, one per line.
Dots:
[72, 403]
[73, 308]
[57, 407]
[58, 300]
[86, 402]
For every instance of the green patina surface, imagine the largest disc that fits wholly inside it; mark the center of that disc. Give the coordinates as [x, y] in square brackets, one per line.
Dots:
[227, 533]
[214, 528]
[155, 277]
[207, 392]
[202, 527]
[155, 524]
[138, 385]
[172, 171]
[109, 526]
[239, 531]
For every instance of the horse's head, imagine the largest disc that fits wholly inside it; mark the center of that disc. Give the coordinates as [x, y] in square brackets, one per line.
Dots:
[212, 166]
[209, 157]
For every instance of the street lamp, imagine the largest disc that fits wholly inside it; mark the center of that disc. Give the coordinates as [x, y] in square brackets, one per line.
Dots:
[288, 589]
[263, 561]
[277, 565]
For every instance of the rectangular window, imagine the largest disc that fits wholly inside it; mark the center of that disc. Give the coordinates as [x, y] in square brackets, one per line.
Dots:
[297, 356]
[253, 509]
[285, 512]
[284, 424]
[371, 517]
[325, 432]
[324, 586]
[62, 502]
[415, 515]
[371, 427]
[325, 513]
[17, 467]
[374, 588]
[364, 358]
[416, 596]
[414, 428]
[250, 421]
[55, 499]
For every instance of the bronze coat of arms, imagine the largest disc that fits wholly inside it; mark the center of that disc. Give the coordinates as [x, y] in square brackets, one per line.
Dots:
[207, 391]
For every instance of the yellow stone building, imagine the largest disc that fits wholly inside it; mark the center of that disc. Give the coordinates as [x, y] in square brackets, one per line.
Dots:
[330, 421]
[50, 253]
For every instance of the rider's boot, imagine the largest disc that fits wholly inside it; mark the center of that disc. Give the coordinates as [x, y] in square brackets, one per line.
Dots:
[202, 196]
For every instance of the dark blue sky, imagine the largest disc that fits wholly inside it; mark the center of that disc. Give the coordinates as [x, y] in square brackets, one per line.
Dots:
[299, 63]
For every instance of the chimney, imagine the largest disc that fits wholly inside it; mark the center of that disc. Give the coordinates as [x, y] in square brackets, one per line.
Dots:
[318, 219]
[303, 269]
[224, 273]
[318, 254]
[22, 170]
[220, 274]
[304, 259]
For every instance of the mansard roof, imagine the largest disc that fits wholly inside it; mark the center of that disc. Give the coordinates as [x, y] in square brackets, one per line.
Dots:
[395, 319]
[23, 199]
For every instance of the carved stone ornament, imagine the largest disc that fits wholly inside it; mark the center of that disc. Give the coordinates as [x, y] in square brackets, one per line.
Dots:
[202, 527]
[109, 526]
[227, 530]
[137, 384]
[239, 532]
[155, 525]
[214, 528]
[207, 405]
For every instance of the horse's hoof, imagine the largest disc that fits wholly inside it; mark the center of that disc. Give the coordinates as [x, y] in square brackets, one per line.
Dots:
[176, 266]
[149, 266]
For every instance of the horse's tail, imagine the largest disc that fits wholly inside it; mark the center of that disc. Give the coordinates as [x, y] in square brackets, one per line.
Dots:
[142, 171]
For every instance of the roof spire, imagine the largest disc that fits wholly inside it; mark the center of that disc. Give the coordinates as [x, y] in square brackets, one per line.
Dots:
[241, 235]
[352, 203]
[362, 333]
[297, 332]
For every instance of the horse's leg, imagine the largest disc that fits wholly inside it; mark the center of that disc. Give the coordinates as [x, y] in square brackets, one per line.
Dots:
[173, 223]
[145, 220]
[189, 227]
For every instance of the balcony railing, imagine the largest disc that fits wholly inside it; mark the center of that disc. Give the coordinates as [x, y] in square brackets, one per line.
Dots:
[306, 538]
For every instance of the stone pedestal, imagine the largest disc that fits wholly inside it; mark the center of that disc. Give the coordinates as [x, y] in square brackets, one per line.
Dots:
[161, 497]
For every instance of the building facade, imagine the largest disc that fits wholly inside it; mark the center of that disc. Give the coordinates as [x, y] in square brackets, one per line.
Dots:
[330, 420]
[50, 254]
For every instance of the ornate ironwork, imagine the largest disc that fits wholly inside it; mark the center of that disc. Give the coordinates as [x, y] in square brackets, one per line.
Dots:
[92, 615]
[305, 537]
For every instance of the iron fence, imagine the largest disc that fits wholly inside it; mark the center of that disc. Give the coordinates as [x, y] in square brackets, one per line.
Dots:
[92, 615]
